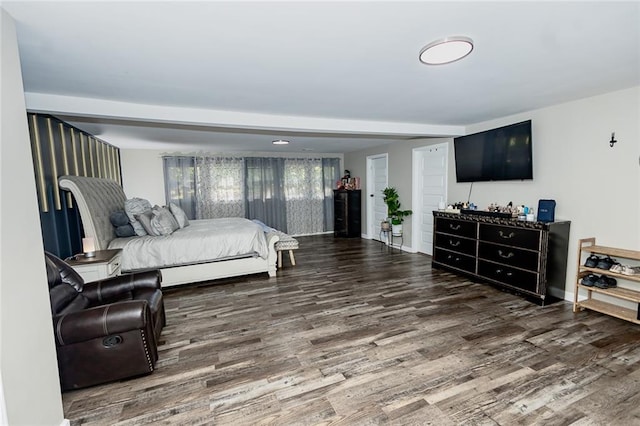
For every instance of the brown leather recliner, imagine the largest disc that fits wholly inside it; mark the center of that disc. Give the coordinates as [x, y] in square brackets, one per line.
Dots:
[104, 330]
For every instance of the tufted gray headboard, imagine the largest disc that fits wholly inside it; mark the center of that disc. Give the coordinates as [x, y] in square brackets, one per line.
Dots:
[96, 198]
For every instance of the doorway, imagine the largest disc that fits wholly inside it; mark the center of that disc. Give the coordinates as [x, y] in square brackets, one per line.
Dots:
[430, 168]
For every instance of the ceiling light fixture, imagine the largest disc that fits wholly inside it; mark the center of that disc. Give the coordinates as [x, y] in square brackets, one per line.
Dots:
[280, 142]
[446, 50]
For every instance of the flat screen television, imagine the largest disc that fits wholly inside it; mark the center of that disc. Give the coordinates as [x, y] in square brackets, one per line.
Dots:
[504, 153]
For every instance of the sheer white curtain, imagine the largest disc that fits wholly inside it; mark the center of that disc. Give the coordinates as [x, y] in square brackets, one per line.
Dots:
[304, 194]
[219, 187]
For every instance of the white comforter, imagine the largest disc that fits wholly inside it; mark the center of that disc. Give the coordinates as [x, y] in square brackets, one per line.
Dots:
[201, 241]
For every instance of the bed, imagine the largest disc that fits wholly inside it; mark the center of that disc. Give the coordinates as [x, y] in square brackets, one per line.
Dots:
[189, 260]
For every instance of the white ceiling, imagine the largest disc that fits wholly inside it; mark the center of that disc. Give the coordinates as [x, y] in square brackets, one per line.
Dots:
[329, 76]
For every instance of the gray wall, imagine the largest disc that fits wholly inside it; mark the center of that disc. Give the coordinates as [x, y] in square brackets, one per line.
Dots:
[28, 366]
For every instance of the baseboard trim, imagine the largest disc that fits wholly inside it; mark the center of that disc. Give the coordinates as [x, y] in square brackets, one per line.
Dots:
[65, 422]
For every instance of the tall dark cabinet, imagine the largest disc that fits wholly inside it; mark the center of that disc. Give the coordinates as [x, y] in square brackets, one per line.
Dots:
[346, 213]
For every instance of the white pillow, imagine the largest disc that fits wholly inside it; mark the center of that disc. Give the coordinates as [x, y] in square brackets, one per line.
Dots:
[134, 207]
[179, 214]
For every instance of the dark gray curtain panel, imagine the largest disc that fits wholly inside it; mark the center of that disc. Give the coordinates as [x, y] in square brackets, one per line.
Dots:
[179, 183]
[264, 191]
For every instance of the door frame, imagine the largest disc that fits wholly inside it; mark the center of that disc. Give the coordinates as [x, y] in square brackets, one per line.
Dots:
[370, 189]
[416, 198]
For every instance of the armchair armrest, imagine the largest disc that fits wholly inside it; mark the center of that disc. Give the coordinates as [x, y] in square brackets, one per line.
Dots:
[121, 287]
[101, 321]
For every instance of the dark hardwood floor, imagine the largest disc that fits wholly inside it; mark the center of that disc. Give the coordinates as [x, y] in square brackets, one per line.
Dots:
[355, 334]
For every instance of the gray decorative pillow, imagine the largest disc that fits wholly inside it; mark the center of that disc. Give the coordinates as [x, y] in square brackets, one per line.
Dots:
[134, 207]
[163, 222]
[119, 218]
[125, 231]
[144, 220]
[179, 214]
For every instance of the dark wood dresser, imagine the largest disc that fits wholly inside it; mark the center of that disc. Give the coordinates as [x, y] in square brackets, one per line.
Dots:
[529, 258]
[346, 213]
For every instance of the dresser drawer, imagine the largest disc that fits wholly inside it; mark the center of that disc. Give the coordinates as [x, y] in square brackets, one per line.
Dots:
[518, 237]
[504, 274]
[509, 256]
[455, 260]
[454, 243]
[456, 227]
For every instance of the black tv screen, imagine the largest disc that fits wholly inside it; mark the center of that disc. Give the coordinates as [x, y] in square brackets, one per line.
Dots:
[504, 153]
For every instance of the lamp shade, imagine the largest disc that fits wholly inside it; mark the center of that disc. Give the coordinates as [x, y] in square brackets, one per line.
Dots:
[88, 246]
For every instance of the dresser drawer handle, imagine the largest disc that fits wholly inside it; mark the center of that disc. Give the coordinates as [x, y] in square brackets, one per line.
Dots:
[454, 243]
[499, 271]
[507, 236]
[455, 228]
[505, 256]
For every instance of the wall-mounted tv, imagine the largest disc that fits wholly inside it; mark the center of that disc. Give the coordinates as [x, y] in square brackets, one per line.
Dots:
[504, 153]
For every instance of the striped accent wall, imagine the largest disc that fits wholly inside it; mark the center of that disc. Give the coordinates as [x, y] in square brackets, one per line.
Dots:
[60, 149]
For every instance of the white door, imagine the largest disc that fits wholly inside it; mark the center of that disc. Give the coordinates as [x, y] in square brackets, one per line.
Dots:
[430, 189]
[377, 174]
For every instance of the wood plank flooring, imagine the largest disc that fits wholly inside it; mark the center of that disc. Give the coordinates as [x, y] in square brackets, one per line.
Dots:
[357, 335]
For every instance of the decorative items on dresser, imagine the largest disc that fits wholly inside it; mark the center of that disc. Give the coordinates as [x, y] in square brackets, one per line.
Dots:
[598, 275]
[104, 264]
[529, 258]
[347, 213]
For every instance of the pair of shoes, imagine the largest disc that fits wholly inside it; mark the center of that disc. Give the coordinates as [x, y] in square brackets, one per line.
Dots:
[606, 263]
[589, 280]
[606, 282]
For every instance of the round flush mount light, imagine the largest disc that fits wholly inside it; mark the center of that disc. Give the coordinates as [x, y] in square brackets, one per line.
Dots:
[280, 142]
[446, 50]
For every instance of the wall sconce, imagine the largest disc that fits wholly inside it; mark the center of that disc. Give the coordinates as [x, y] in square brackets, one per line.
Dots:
[88, 247]
[613, 139]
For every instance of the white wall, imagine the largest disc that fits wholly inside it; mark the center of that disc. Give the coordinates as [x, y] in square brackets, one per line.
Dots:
[142, 174]
[596, 187]
[28, 363]
[400, 159]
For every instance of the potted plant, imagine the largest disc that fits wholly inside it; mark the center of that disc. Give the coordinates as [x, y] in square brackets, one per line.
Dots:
[396, 214]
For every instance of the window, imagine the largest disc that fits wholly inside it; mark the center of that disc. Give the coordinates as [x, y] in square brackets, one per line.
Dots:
[293, 195]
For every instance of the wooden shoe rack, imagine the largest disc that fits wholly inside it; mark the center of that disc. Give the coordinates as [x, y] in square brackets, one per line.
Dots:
[630, 293]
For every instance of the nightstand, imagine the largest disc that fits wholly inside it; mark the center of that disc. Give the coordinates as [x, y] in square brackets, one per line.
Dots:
[105, 264]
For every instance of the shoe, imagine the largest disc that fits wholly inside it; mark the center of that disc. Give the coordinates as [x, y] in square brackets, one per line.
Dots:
[592, 261]
[618, 268]
[630, 270]
[606, 282]
[589, 280]
[606, 263]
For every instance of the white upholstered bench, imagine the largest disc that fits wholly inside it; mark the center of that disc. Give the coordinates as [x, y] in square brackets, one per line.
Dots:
[287, 242]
